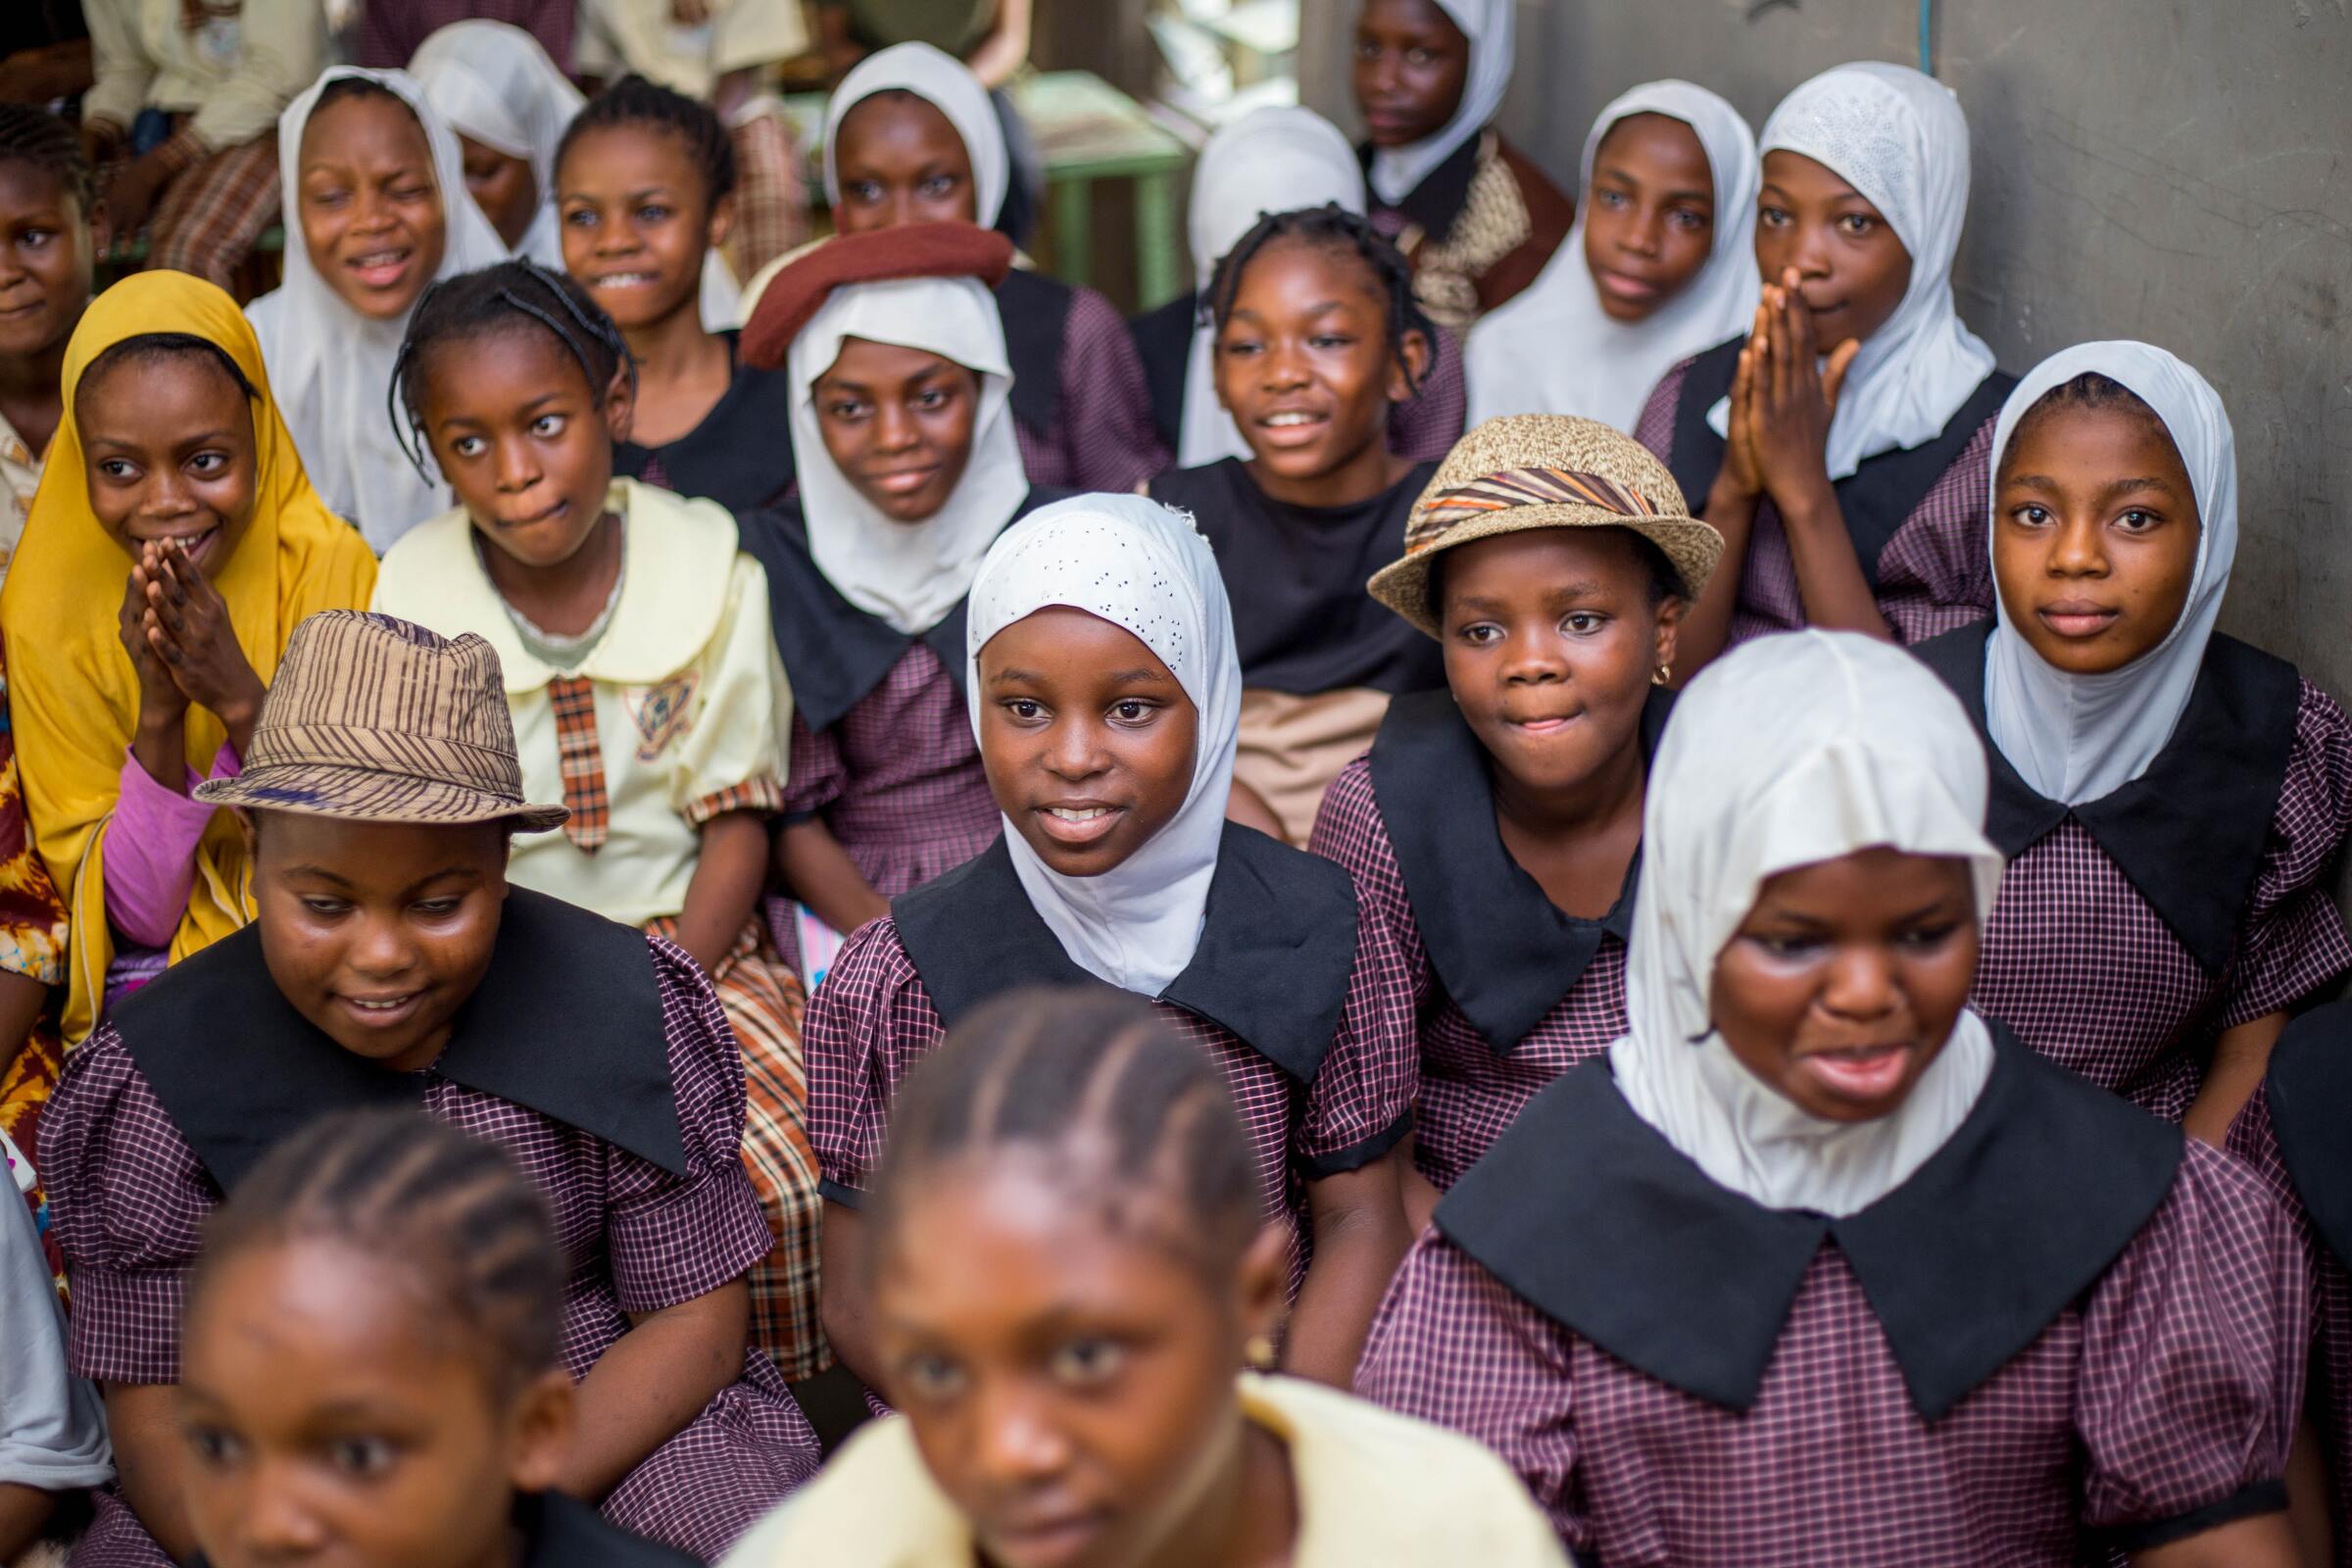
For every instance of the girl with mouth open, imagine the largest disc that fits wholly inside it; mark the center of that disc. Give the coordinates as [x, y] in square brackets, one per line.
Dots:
[902, 421]
[1661, 264]
[378, 211]
[1318, 341]
[1105, 691]
[1818, 1264]
[1838, 444]
[394, 967]
[632, 635]
[1075, 1293]
[174, 495]
[1497, 824]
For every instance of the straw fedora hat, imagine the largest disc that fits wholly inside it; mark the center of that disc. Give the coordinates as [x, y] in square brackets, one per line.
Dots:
[1542, 471]
[377, 720]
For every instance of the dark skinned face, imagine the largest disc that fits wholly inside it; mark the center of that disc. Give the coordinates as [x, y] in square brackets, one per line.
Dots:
[637, 220]
[1304, 364]
[2094, 536]
[46, 255]
[331, 1422]
[1551, 641]
[899, 425]
[1650, 218]
[167, 453]
[1412, 65]
[518, 433]
[501, 187]
[1086, 736]
[378, 932]
[1069, 1377]
[899, 161]
[371, 217]
[1846, 979]
[1851, 270]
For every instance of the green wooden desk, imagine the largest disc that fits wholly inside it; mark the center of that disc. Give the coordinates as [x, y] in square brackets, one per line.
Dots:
[1085, 130]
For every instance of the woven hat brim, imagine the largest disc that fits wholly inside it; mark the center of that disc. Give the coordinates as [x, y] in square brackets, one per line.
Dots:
[365, 795]
[1692, 545]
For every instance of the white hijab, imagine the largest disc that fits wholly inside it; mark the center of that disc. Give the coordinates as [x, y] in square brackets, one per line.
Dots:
[1397, 171]
[1787, 751]
[2077, 738]
[331, 366]
[1554, 350]
[909, 573]
[1269, 161]
[1899, 138]
[946, 83]
[1141, 565]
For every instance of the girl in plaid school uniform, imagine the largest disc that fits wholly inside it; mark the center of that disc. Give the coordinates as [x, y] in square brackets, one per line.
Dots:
[633, 636]
[1819, 1265]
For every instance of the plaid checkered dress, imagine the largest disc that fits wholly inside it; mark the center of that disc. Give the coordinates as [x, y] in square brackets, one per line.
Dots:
[1470, 1088]
[2156, 1402]
[1932, 574]
[132, 1197]
[873, 1019]
[1080, 411]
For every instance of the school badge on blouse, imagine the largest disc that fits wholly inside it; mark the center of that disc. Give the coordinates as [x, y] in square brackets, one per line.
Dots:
[663, 713]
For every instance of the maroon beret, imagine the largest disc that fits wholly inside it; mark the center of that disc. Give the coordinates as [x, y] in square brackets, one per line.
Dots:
[878, 256]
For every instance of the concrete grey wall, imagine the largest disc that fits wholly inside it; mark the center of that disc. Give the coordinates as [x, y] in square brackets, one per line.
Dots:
[2179, 170]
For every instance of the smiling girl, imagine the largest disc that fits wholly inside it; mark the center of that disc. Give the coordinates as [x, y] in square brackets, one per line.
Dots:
[1840, 445]
[1318, 340]
[909, 471]
[2170, 800]
[1105, 691]
[1497, 824]
[51, 231]
[1072, 1279]
[393, 966]
[1475, 215]
[175, 496]
[376, 188]
[632, 635]
[1659, 266]
[1801, 1212]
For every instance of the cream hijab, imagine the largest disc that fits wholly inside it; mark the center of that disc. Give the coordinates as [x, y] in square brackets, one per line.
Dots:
[2076, 738]
[1141, 565]
[910, 574]
[1900, 139]
[1787, 751]
[1269, 161]
[331, 366]
[1489, 24]
[1554, 350]
[946, 83]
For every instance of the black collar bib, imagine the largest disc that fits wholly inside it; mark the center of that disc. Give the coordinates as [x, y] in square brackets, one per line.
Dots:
[1504, 952]
[1444, 191]
[833, 652]
[568, 1023]
[1163, 340]
[1876, 498]
[741, 454]
[2192, 831]
[1584, 1210]
[1036, 309]
[1277, 945]
[2310, 1091]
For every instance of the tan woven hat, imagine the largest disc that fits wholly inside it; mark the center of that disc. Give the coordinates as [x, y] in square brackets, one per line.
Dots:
[1542, 471]
[379, 720]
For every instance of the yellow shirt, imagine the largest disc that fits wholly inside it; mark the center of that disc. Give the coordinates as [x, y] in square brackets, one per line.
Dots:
[692, 712]
[1374, 1489]
[617, 35]
[237, 69]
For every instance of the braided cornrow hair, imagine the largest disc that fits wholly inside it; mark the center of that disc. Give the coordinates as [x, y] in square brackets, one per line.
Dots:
[1091, 1077]
[33, 136]
[2089, 390]
[509, 296]
[1332, 227]
[635, 100]
[423, 1197]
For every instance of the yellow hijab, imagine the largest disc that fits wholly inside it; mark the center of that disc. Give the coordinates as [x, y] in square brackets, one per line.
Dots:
[75, 695]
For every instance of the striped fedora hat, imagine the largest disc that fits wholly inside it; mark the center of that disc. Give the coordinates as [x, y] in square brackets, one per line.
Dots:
[1542, 471]
[379, 720]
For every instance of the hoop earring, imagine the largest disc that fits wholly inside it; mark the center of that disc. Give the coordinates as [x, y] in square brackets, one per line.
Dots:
[1662, 675]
